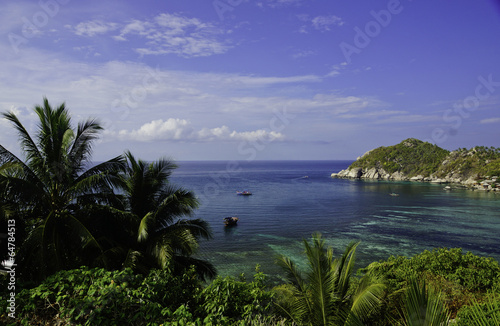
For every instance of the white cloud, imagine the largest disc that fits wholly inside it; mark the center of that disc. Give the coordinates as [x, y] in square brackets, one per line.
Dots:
[163, 34]
[172, 129]
[490, 120]
[280, 3]
[181, 130]
[92, 28]
[175, 34]
[323, 23]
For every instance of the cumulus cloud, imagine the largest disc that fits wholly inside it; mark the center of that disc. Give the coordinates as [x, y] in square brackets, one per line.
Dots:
[224, 133]
[181, 130]
[172, 129]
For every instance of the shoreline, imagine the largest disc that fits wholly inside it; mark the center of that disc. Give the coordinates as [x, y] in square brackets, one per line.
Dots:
[489, 184]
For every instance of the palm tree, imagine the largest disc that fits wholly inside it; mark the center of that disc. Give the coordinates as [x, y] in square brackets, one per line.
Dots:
[423, 306]
[54, 183]
[152, 232]
[325, 294]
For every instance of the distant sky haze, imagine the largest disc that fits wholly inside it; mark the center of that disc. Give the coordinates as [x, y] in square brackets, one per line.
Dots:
[256, 80]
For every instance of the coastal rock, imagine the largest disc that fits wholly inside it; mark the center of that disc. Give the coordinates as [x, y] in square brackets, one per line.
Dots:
[469, 182]
[355, 173]
[398, 176]
[371, 174]
[439, 180]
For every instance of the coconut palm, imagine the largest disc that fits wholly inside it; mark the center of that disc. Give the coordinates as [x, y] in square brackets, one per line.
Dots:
[52, 185]
[154, 232]
[325, 294]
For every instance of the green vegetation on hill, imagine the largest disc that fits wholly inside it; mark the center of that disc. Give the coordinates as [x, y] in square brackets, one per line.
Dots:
[414, 157]
[410, 157]
[478, 162]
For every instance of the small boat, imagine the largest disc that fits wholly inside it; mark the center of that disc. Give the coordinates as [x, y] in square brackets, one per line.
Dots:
[243, 193]
[393, 194]
[230, 221]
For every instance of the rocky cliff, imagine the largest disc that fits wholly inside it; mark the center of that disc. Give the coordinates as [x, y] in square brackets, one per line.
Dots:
[414, 160]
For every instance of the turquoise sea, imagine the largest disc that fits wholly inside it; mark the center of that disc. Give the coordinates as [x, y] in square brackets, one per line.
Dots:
[293, 199]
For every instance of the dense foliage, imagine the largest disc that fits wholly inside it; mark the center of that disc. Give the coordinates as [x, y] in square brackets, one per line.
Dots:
[426, 287]
[95, 296]
[413, 157]
[461, 277]
[478, 162]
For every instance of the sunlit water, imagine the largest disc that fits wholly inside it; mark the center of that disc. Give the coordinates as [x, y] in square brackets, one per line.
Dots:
[293, 199]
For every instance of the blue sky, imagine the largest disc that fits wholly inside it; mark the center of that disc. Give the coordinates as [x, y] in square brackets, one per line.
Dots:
[256, 80]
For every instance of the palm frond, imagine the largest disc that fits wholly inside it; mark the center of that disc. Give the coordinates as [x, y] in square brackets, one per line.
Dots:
[101, 175]
[321, 279]
[28, 146]
[345, 268]
[81, 148]
[292, 273]
[145, 227]
[423, 306]
[367, 297]
[489, 315]
[175, 203]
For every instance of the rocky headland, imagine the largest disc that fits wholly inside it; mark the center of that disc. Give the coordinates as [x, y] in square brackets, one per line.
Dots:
[414, 160]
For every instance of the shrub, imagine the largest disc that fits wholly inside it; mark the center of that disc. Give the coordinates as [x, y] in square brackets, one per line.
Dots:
[227, 300]
[460, 277]
[98, 297]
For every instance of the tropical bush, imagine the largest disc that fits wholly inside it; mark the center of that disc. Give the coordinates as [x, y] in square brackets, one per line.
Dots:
[461, 277]
[227, 300]
[94, 296]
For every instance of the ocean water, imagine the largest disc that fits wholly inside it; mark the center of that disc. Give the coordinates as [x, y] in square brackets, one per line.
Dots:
[293, 199]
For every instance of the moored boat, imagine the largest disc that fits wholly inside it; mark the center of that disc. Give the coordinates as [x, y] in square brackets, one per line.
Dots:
[230, 220]
[243, 193]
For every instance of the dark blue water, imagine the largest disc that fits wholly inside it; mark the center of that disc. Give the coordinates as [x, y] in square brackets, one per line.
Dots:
[293, 199]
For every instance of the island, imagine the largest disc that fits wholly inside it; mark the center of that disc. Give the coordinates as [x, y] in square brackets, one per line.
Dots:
[477, 168]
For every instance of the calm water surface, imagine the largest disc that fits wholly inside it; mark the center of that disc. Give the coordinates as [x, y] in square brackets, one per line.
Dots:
[293, 199]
